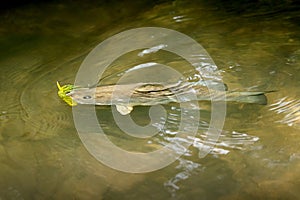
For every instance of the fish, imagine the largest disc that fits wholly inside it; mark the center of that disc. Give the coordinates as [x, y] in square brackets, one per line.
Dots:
[126, 96]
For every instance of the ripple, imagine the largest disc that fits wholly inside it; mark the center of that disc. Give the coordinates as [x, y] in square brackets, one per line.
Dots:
[227, 142]
[43, 112]
[181, 18]
[290, 108]
[187, 168]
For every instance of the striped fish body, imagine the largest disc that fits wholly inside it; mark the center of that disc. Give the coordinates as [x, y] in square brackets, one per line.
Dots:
[156, 93]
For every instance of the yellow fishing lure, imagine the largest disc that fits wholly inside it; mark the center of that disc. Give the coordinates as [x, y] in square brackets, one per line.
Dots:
[63, 91]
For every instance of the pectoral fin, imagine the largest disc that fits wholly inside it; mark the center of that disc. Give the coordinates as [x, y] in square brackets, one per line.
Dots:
[124, 110]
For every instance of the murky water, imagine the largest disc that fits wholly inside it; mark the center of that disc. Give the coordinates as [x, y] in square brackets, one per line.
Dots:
[257, 155]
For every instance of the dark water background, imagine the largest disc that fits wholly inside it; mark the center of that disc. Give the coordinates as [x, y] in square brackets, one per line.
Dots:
[255, 44]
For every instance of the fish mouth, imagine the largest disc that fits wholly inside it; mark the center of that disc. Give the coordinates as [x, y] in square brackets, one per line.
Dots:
[65, 93]
[70, 94]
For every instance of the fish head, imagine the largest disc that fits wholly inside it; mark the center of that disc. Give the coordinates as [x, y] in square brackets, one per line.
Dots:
[82, 95]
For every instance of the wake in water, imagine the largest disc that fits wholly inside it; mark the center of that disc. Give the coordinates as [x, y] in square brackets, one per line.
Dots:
[290, 108]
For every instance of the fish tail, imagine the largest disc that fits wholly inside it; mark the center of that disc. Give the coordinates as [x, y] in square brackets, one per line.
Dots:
[248, 97]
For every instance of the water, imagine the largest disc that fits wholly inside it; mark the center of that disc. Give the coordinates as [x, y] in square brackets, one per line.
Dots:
[257, 155]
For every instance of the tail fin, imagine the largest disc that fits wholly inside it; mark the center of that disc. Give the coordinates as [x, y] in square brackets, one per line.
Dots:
[248, 97]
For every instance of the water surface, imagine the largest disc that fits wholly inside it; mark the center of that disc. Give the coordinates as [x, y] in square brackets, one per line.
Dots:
[255, 47]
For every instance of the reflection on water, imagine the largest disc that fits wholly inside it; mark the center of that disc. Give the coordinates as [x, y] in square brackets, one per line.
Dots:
[255, 47]
[290, 109]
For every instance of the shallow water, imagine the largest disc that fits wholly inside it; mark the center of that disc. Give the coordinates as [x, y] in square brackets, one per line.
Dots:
[257, 155]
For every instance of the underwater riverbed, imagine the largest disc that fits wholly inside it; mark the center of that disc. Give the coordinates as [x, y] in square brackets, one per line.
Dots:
[256, 47]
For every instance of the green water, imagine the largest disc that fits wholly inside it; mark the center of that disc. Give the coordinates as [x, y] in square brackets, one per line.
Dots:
[256, 47]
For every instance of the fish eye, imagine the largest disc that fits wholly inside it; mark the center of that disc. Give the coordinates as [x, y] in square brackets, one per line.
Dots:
[87, 97]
